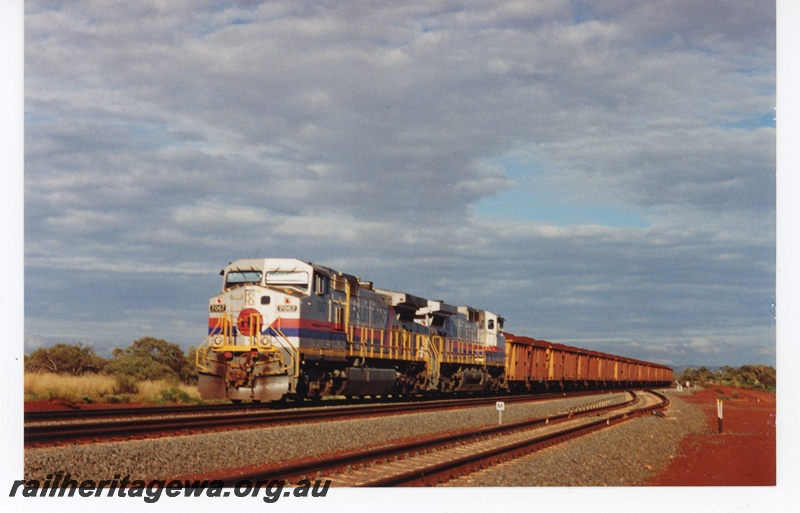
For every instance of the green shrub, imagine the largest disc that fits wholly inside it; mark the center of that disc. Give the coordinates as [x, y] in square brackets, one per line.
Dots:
[125, 384]
[118, 399]
[152, 359]
[175, 395]
[65, 359]
[758, 377]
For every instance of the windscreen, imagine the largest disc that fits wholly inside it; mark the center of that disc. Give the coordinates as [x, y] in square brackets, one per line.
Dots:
[236, 278]
[297, 279]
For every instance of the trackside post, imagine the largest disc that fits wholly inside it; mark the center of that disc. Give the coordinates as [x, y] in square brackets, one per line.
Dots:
[500, 407]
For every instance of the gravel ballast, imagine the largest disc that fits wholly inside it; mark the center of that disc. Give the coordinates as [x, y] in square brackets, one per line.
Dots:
[626, 455]
[163, 458]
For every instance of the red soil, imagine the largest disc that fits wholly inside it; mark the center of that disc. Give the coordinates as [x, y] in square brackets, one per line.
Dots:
[743, 455]
[66, 405]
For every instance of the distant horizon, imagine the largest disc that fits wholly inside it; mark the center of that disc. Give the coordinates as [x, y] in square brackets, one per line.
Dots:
[674, 367]
[718, 367]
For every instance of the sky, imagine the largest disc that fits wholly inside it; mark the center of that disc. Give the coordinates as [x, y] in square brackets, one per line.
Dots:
[601, 174]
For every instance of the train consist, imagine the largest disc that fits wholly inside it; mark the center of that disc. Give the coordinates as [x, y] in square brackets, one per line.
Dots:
[283, 328]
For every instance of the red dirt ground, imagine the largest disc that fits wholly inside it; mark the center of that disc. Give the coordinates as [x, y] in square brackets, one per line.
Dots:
[65, 405]
[743, 455]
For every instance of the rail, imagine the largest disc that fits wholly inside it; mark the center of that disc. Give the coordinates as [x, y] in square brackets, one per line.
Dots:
[372, 466]
[61, 426]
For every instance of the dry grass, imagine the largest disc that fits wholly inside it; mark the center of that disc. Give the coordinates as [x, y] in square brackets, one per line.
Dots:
[100, 388]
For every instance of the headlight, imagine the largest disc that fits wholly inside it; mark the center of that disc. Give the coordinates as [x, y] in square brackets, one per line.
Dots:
[218, 340]
[264, 341]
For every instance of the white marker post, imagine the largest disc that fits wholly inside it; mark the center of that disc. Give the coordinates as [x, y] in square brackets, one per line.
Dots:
[500, 407]
[719, 415]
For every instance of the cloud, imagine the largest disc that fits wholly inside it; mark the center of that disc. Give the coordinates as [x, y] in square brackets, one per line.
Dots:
[704, 346]
[593, 172]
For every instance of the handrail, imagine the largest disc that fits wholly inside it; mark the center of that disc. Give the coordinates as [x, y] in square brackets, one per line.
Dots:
[346, 305]
[201, 356]
[435, 358]
[224, 327]
[294, 354]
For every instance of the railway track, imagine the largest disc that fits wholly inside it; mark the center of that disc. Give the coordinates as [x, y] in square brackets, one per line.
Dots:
[436, 459]
[141, 411]
[47, 428]
[99, 413]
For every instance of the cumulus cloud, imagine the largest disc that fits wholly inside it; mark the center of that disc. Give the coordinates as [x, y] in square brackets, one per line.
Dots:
[596, 173]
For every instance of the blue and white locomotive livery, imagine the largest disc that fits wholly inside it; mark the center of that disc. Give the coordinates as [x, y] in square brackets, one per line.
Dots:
[283, 328]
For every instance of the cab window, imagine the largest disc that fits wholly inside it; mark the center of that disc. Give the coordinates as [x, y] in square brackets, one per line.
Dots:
[321, 284]
[237, 278]
[294, 279]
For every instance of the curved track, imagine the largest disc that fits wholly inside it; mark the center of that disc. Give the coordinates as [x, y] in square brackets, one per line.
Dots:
[430, 461]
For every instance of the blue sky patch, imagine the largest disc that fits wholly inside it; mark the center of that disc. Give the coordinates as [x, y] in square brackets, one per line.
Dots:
[533, 199]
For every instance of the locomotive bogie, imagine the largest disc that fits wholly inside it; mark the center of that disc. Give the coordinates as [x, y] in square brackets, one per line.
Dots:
[262, 389]
[255, 374]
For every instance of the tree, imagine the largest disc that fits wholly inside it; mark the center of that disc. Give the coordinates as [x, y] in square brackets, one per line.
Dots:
[192, 374]
[65, 359]
[151, 358]
[748, 376]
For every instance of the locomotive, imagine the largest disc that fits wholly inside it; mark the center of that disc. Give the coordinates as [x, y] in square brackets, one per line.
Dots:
[283, 328]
